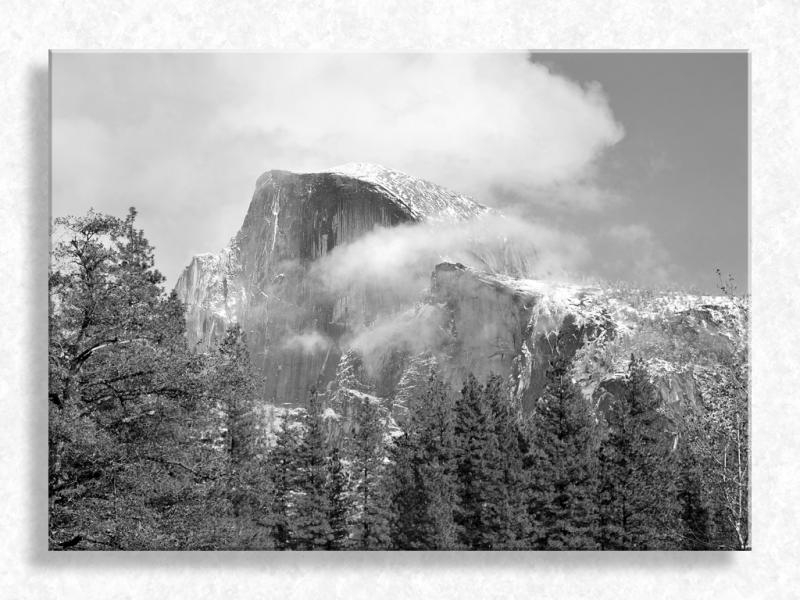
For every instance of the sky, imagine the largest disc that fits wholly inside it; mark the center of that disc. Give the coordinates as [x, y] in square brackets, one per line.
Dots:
[640, 161]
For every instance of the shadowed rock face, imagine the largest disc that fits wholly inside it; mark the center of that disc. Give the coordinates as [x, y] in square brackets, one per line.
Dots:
[515, 327]
[512, 328]
[262, 278]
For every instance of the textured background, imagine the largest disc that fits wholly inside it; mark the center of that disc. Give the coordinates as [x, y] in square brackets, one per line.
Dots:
[766, 28]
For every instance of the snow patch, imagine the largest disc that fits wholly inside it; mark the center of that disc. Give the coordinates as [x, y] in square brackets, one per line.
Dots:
[424, 200]
[329, 413]
[309, 342]
[363, 396]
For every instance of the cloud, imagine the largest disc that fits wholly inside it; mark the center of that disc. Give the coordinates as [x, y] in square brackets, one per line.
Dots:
[412, 330]
[583, 195]
[309, 342]
[78, 168]
[183, 137]
[641, 257]
[631, 234]
[394, 265]
[465, 121]
[399, 260]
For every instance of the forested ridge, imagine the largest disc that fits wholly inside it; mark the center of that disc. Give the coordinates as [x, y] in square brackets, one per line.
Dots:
[154, 445]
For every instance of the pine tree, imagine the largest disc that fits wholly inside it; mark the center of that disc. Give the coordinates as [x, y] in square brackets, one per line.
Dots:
[242, 475]
[422, 480]
[563, 466]
[353, 385]
[111, 325]
[695, 530]
[410, 388]
[483, 504]
[312, 527]
[435, 426]
[337, 503]
[513, 444]
[367, 452]
[282, 473]
[637, 495]
[407, 519]
[235, 391]
[124, 393]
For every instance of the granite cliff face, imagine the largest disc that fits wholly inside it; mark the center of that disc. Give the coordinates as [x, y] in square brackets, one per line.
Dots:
[303, 334]
[262, 279]
[514, 327]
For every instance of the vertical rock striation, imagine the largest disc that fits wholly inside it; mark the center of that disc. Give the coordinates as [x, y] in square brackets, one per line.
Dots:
[263, 280]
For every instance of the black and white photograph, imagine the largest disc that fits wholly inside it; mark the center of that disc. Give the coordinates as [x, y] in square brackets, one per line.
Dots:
[399, 301]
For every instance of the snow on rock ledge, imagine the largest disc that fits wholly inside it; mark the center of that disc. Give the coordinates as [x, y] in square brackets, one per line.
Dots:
[423, 200]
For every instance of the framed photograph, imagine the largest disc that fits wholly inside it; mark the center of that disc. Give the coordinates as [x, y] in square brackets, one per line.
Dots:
[455, 301]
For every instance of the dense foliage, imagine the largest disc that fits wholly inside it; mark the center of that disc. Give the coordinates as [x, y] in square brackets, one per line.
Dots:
[156, 446]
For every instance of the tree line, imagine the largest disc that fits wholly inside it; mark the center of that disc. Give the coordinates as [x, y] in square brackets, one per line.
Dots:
[468, 471]
[156, 446]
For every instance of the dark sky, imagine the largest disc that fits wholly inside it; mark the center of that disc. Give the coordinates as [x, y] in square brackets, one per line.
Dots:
[641, 158]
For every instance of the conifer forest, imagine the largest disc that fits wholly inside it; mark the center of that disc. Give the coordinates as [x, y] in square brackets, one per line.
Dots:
[157, 442]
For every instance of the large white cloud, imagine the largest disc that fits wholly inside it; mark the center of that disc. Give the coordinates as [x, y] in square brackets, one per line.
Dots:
[470, 122]
[183, 137]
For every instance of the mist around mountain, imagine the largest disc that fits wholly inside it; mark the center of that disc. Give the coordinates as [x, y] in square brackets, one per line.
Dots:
[376, 362]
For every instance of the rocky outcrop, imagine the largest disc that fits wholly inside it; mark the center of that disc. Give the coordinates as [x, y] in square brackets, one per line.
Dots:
[513, 327]
[263, 281]
[469, 320]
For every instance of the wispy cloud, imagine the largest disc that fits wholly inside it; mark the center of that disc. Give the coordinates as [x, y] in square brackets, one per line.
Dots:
[308, 342]
[399, 261]
[641, 257]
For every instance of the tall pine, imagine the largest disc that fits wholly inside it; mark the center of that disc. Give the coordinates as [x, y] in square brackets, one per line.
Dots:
[338, 501]
[513, 444]
[563, 466]
[282, 471]
[483, 505]
[696, 519]
[637, 493]
[312, 498]
[235, 393]
[371, 513]
[243, 480]
[422, 478]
